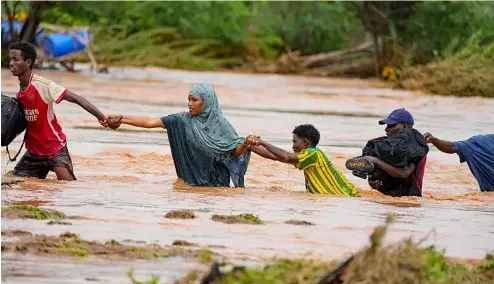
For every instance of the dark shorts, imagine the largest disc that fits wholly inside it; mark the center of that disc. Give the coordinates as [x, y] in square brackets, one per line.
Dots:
[32, 165]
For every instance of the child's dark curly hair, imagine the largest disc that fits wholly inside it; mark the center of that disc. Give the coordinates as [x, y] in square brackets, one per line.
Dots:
[309, 132]
[27, 51]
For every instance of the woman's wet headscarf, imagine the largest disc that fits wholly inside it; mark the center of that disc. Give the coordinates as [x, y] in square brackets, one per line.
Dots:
[211, 130]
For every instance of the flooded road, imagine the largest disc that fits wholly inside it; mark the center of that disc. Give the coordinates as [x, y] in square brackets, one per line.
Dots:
[127, 182]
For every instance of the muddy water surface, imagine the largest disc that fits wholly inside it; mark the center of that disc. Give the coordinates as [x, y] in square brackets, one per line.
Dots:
[127, 182]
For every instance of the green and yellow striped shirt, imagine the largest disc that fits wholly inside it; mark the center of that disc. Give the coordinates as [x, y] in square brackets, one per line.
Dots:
[321, 176]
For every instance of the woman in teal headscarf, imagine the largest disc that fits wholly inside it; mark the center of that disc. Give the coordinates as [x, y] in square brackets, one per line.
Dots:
[206, 149]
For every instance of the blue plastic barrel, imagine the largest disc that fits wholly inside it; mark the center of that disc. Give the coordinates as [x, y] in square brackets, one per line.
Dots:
[83, 36]
[59, 44]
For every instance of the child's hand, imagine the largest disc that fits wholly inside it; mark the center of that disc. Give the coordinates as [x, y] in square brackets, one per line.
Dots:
[113, 121]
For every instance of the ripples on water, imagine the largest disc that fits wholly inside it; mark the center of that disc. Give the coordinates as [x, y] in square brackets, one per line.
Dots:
[127, 180]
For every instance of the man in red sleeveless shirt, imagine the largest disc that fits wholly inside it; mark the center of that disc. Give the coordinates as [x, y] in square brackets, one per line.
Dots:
[46, 143]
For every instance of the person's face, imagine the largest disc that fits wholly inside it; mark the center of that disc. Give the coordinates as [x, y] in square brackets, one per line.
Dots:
[18, 65]
[393, 129]
[299, 143]
[195, 105]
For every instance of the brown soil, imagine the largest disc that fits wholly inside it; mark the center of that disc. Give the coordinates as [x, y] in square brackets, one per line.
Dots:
[31, 202]
[15, 233]
[182, 243]
[16, 215]
[180, 214]
[299, 222]
[69, 244]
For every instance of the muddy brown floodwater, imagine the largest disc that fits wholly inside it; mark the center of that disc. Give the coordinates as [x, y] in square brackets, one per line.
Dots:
[127, 183]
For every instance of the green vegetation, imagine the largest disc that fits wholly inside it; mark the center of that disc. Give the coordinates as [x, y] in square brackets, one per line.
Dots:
[467, 72]
[432, 268]
[282, 271]
[73, 249]
[205, 256]
[26, 211]
[154, 280]
[112, 242]
[403, 262]
[180, 214]
[245, 218]
[429, 45]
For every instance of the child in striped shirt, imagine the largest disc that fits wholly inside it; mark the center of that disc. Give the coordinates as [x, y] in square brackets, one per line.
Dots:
[320, 174]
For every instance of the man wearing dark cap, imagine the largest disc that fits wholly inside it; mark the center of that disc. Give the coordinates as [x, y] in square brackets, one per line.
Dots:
[406, 181]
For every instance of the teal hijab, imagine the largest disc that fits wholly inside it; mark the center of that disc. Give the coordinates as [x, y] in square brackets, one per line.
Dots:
[211, 130]
[202, 145]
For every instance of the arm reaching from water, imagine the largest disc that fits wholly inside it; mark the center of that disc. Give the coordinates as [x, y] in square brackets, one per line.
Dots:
[280, 154]
[263, 152]
[143, 122]
[253, 143]
[249, 141]
[441, 145]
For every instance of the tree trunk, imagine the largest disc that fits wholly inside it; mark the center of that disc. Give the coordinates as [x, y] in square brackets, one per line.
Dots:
[377, 51]
[322, 59]
[10, 19]
[31, 25]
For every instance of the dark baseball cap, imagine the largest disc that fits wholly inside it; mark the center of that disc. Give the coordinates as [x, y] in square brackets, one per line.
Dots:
[400, 115]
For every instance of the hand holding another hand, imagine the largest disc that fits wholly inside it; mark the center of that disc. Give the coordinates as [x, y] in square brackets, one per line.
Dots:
[112, 121]
[252, 140]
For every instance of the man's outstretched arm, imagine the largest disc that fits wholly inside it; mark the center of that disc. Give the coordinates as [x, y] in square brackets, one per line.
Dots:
[85, 104]
[441, 145]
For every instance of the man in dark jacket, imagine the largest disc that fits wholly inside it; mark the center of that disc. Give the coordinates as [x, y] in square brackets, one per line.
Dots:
[397, 181]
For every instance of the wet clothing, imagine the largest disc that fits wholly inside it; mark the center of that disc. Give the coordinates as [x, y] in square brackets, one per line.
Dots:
[321, 176]
[478, 152]
[410, 186]
[32, 165]
[400, 150]
[44, 134]
[202, 145]
[211, 131]
[408, 146]
[13, 120]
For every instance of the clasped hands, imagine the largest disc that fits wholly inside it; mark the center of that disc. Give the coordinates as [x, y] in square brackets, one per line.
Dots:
[112, 121]
[252, 140]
